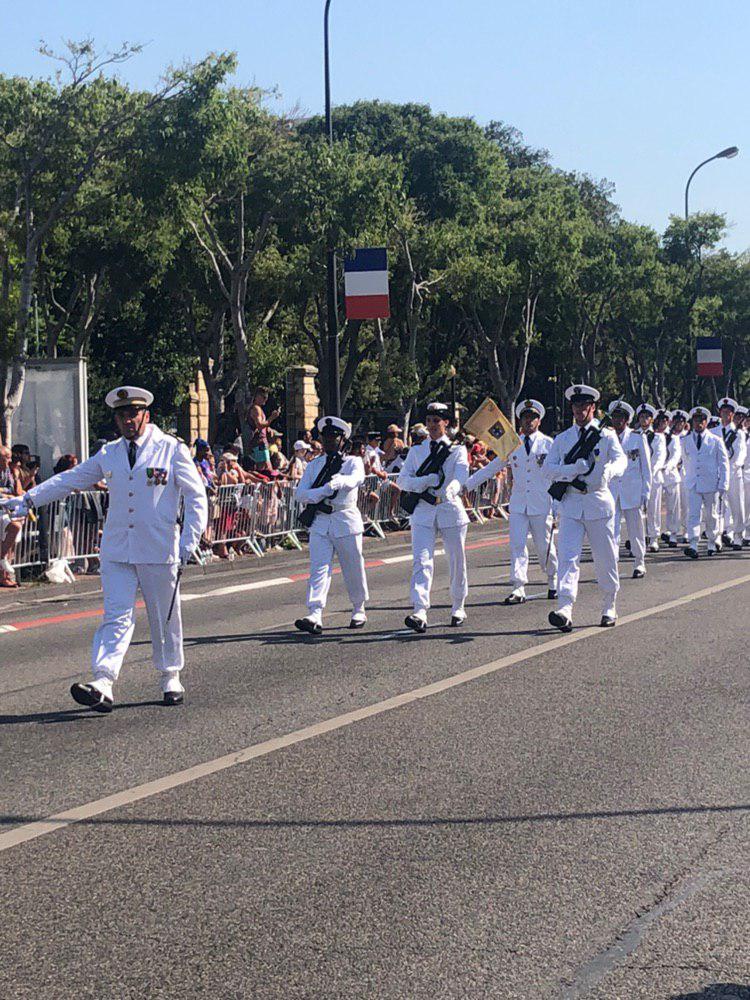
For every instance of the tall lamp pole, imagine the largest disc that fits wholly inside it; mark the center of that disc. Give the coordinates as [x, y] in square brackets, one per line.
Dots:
[725, 154]
[334, 387]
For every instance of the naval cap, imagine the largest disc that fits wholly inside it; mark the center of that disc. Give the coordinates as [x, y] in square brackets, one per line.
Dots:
[645, 408]
[620, 406]
[334, 425]
[728, 402]
[582, 394]
[438, 410]
[700, 411]
[742, 411]
[530, 406]
[128, 395]
[680, 415]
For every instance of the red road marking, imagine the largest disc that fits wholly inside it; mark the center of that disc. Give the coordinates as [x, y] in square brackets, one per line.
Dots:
[294, 578]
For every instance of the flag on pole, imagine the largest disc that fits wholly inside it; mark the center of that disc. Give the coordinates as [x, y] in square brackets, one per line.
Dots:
[366, 284]
[709, 356]
[493, 429]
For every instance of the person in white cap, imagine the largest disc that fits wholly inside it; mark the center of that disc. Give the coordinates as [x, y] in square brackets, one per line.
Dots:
[645, 414]
[331, 481]
[732, 520]
[742, 421]
[632, 489]
[675, 497]
[587, 506]
[147, 473]
[530, 505]
[439, 509]
[302, 453]
[706, 481]
[669, 476]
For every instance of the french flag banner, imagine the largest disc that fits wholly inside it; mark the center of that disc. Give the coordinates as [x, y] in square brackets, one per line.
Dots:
[366, 284]
[709, 356]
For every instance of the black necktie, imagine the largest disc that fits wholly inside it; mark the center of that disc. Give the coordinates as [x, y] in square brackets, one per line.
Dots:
[131, 453]
[698, 441]
[527, 444]
[434, 445]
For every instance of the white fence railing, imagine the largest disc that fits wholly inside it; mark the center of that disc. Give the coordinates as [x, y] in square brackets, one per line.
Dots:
[253, 514]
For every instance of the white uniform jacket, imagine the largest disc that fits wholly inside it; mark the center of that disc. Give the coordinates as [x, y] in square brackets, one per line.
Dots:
[747, 456]
[346, 518]
[447, 512]
[529, 493]
[707, 469]
[658, 449]
[609, 461]
[736, 446]
[144, 501]
[633, 487]
[672, 472]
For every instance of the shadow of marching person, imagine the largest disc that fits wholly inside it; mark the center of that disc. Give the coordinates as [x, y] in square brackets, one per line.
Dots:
[717, 991]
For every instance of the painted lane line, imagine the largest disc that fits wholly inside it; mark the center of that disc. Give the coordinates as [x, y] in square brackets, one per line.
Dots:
[31, 831]
[239, 588]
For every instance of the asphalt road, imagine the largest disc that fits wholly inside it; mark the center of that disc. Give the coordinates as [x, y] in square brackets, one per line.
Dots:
[538, 816]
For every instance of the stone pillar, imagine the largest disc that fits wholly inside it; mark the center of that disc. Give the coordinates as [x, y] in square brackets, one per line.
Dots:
[192, 419]
[302, 406]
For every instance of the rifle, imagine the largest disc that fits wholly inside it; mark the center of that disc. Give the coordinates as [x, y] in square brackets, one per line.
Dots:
[581, 449]
[432, 464]
[331, 468]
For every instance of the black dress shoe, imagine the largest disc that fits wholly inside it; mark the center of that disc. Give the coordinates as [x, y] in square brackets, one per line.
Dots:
[746, 543]
[726, 539]
[457, 621]
[305, 625]
[551, 595]
[627, 545]
[356, 623]
[415, 623]
[736, 547]
[514, 599]
[672, 545]
[664, 536]
[607, 622]
[712, 552]
[691, 553]
[89, 696]
[560, 621]
[638, 574]
[173, 697]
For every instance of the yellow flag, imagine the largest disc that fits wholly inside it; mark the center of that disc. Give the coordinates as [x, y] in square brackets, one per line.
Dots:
[490, 425]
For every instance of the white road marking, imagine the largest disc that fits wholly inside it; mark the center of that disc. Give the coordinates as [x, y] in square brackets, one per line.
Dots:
[31, 831]
[396, 559]
[7, 628]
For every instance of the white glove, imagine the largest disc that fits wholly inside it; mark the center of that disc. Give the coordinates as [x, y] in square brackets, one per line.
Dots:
[15, 507]
[186, 553]
[452, 490]
[581, 466]
[335, 483]
[431, 482]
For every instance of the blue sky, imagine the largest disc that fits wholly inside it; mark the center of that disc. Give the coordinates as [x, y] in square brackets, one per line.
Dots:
[638, 92]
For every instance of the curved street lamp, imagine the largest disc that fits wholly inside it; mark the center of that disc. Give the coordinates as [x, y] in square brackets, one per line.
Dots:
[334, 387]
[725, 154]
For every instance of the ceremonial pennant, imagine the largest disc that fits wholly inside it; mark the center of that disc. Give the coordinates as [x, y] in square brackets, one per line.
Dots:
[366, 284]
[493, 429]
[709, 357]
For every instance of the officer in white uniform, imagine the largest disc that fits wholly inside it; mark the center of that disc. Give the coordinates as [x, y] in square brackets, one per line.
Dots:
[632, 489]
[589, 513]
[147, 471]
[732, 520]
[338, 532]
[530, 503]
[669, 475]
[706, 480]
[674, 485]
[742, 421]
[447, 516]
[658, 448]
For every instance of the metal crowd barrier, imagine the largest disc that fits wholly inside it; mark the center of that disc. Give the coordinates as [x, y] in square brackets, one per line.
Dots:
[252, 515]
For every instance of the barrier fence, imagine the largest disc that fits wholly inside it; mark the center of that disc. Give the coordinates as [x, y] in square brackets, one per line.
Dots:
[251, 517]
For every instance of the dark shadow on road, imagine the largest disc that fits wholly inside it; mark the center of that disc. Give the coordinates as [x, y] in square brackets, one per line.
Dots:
[717, 991]
[397, 823]
[437, 632]
[70, 714]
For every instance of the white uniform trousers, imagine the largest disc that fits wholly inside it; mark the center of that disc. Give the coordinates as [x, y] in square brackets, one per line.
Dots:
[540, 526]
[601, 535]
[703, 505]
[120, 583]
[653, 513]
[734, 509]
[683, 508]
[636, 532]
[423, 554]
[747, 508]
[673, 504]
[349, 550]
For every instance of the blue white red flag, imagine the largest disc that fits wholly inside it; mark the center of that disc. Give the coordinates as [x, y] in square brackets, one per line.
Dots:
[366, 284]
[709, 358]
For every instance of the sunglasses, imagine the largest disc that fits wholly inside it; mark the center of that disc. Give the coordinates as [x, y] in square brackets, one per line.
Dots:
[130, 411]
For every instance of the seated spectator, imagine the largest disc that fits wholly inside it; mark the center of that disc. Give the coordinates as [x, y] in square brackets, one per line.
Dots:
[10, 486]
[302, 454]
[392, 446]
[26, 465]
[373, 456]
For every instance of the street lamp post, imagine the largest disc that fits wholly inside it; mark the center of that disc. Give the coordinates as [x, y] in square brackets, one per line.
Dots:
[725, 154]
[334, 388]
